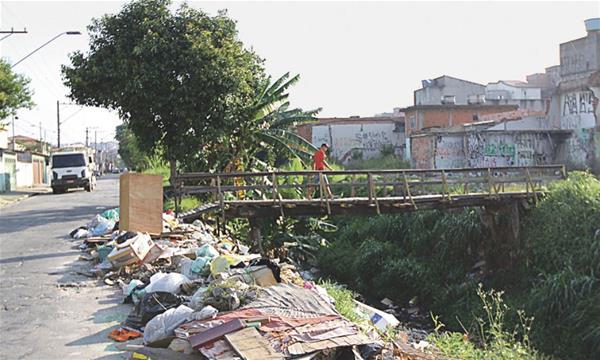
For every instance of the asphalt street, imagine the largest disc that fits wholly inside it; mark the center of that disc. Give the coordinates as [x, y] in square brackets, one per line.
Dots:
[49, 310]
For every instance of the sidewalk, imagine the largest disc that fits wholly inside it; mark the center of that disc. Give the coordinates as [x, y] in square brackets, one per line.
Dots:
[11, 197]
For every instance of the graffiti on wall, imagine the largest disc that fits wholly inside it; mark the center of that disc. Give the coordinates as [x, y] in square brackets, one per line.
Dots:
[577, 110]
[577, 114]
[367, 140]
[518, 149]
[449, 152]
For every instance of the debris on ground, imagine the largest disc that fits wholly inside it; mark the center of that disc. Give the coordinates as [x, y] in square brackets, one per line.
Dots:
[198, 293]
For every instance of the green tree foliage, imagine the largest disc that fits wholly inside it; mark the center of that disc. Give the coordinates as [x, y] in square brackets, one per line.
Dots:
[430, 255]
[129, 149]
[563, 255]
[14, 91]
[181, 80]
[266, 136]
[425, 254]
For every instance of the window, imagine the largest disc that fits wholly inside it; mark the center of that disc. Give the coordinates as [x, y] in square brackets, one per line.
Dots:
[70, 160]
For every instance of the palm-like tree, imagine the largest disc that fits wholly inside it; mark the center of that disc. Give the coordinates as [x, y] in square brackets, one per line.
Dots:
[270, 128]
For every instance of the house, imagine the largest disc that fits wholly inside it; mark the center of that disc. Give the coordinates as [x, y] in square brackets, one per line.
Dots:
[515, 92]
[22, 166]
[448, 90]
[423, 117]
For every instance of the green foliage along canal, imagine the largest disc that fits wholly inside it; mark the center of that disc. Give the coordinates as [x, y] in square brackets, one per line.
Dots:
[430, 255]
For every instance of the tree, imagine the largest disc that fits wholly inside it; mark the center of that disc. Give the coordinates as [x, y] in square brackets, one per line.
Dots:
[267, 135]
[14, 91]
[129, 149]
[179, 79]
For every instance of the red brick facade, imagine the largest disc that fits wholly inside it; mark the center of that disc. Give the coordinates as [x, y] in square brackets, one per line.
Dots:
[422, 117]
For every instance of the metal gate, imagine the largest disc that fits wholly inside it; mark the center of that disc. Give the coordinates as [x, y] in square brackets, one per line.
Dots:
[11, 167]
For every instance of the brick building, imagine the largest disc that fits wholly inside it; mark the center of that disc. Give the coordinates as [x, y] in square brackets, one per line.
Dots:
[422, 117]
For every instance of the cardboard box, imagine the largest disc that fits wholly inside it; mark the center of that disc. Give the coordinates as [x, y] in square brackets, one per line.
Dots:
[141, 203]
[131, 251]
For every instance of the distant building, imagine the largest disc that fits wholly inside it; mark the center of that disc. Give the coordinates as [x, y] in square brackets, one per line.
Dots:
[448, 90]
[581, 57]
[424, 117]
[575, 103]
[24, 166]
[356, 137]
[514, 92]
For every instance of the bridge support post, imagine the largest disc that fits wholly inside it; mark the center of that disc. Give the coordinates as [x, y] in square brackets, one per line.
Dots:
[254, 236]
[502, 246]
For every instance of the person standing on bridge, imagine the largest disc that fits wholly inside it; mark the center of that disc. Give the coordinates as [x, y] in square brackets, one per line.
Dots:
[319, 164]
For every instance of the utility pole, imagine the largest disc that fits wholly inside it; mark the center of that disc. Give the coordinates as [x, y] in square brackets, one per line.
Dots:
[41, 146]
[13, 128]
[58, 123]
[12, 31]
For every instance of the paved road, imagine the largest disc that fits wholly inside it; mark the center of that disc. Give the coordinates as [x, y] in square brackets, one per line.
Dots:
[41, 317]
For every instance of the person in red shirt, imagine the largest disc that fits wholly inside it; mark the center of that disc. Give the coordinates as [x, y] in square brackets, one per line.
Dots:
[320, 164]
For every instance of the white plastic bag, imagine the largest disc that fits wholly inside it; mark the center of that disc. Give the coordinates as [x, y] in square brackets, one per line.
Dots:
[170, 282]
[164, 325]
[208, 312]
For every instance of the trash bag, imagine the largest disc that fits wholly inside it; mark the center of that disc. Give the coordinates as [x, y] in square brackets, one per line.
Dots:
[208, 312]
[151, 305]
[166, 282]
[81, 233]
[111, 214]
[164, 325]
[125, 236]
[128, 289]
[75, 231]
[207, 251]
[199, 264]
[103, 226]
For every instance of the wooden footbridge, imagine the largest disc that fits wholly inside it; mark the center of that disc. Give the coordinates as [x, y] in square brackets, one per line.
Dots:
[357, 192]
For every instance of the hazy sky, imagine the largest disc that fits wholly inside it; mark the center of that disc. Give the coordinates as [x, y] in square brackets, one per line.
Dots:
[354, 58]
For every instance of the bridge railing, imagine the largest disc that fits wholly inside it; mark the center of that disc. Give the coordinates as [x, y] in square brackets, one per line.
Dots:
[373, 185]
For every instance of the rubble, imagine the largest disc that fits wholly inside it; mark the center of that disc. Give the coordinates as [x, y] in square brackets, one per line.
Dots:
[198, 293]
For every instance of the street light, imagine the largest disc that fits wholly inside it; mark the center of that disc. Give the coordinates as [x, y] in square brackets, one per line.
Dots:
[46, 43]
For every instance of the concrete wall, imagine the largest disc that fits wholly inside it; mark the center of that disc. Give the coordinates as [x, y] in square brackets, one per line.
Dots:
[484, 149]
[575, 110]
[366, 139]
[445, 85]
[580, 56]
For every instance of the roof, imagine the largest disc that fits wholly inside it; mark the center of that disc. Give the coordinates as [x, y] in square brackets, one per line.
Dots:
[358, 120]
[517, 83]
[508, 107]
[23, 138]
[511, 115]
[455, 78]
[508, 132]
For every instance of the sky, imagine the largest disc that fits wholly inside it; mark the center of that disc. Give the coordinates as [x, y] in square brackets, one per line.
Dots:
[354, 58]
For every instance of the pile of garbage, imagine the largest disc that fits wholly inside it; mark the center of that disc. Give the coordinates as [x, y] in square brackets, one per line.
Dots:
[197, 293]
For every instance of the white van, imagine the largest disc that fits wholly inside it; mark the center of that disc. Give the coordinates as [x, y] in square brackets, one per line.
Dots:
[74, 169]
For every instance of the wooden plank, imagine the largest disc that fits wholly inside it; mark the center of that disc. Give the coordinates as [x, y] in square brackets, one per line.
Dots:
[250, 345]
